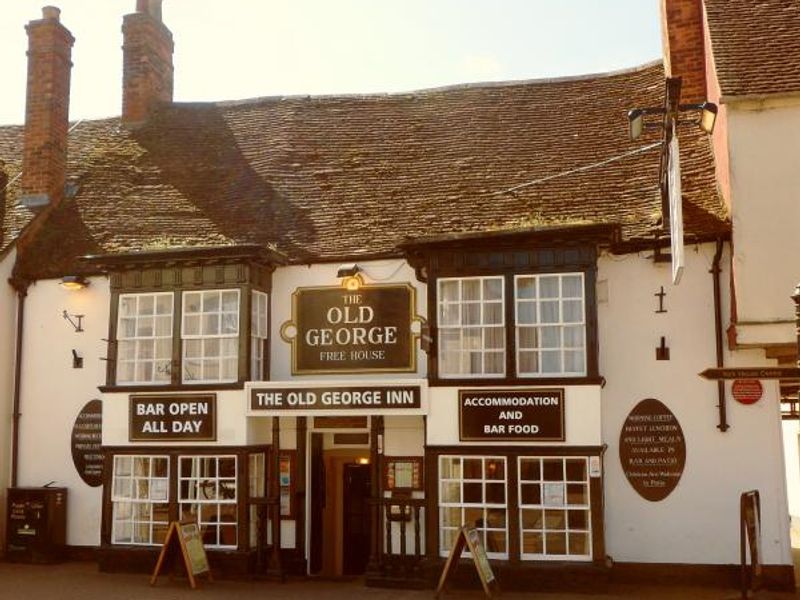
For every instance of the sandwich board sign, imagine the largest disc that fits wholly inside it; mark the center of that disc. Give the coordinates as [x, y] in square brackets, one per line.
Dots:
[184, 539]
[469, 537]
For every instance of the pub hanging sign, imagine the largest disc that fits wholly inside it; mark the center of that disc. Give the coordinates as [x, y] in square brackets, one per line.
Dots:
[178, 418]
[364, 330]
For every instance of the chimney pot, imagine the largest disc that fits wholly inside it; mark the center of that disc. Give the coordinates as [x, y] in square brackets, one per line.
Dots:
[151, 7]
[51, 13]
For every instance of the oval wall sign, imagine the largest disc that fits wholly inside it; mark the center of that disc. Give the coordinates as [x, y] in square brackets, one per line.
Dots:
[87, 437]
[747, 391]
[652, 450]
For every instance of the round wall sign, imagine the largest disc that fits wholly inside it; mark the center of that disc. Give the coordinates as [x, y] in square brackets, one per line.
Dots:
[652, 450]
[747, 391]
[87, 437]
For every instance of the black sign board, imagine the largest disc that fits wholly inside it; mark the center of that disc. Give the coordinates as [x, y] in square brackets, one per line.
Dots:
[511, 415]
[190, 417]
[87, 438]
[652, 450]
[365, 397]
[752, 373]
[352, 331]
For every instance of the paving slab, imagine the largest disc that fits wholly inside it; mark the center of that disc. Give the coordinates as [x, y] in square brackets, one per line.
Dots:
[82, 581]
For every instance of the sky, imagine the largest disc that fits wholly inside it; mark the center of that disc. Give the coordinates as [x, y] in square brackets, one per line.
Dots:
[235, 49]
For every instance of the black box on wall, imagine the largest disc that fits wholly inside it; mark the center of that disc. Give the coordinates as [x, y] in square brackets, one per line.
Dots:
[36, 527]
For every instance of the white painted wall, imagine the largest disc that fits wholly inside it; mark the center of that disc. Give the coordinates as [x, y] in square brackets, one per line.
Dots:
[8, 335]
[53, 393]
[764, 144]
[698, 521]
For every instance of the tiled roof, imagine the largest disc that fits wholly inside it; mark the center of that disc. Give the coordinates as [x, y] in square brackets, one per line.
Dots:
[756, 45]
[330, 178]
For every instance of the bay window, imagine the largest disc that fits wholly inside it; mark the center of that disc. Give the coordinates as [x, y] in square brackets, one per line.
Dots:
[547, 335]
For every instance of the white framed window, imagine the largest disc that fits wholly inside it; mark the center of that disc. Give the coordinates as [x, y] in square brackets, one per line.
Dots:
[210, 336]
[207, 496]
[550, 325]
[472, 490]
[258, 334]
[554, 506]
[140, 500]
[144, 338]
[471, 321]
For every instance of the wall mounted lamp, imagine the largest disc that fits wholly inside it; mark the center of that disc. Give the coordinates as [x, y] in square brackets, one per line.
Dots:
[708, 117]
[74, 282]
[348, 270]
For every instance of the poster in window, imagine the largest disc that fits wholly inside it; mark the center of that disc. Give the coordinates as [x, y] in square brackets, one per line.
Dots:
[286, 481]
[553, 494]
[403, 473]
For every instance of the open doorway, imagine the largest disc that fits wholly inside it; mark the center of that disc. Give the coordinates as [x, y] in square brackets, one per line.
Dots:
[339, 523]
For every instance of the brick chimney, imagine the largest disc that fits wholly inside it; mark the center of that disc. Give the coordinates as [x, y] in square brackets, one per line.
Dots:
[44, 161]
[147, 72]
[684, 51]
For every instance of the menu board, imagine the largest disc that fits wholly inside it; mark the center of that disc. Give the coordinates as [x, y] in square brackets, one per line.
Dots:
[652, 450]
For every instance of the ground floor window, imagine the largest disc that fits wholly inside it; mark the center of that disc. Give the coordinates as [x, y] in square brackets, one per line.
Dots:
[473, 490]
[140, 499]
[554, 508]
[525, 506]
[207, 495]
[148, 491]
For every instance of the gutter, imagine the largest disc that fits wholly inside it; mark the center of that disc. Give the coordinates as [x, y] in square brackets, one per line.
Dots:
[21, 286]
[716, 271]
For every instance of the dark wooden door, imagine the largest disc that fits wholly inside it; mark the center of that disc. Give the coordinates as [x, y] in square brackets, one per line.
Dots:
[317, 503]
[356, 519]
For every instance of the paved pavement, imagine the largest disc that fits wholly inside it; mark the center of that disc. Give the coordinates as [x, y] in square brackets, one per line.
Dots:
[82, 581]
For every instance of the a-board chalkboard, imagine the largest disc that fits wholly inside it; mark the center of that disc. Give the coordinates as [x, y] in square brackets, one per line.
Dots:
[184, 539]
[470, 537]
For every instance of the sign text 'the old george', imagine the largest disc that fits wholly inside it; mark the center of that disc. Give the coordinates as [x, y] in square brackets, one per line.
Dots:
[352, 331]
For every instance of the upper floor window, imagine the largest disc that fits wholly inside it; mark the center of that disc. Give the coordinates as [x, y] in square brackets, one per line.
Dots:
[258, 335]
[548, 334]
[471, 327]
[210, 336]
[144, 336]
[550, 325]
[190, 337]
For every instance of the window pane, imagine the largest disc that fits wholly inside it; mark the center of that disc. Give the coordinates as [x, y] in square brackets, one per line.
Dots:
[449, 290]
[449, 314]
[472, 314]
[548, 286]
[550, 312]
[493, 313]
[551, 362]
[572, 286]
[573, 311]
[526, 287]
[493, 289]
[230, 301]
[526, 313]
[471, 289]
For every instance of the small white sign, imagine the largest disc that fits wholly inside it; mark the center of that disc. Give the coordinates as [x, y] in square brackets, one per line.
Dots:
[675, 211]
[553, 494]
[594, 466]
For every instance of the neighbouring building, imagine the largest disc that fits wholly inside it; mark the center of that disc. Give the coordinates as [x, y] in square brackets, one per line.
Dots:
[344, 326]
[756, 143]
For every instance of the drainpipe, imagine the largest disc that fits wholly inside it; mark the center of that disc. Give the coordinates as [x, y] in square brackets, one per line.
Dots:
[715, 273]
[21, 285]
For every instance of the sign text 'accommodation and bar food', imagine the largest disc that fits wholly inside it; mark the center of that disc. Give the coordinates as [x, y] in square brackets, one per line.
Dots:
[511, 415]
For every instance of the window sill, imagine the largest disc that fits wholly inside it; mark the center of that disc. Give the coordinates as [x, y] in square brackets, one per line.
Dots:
[517, 381]
[181, 387]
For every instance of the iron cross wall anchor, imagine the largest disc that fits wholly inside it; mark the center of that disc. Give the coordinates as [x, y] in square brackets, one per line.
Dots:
[661, 295]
